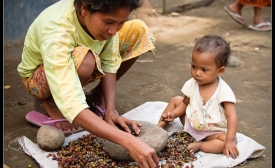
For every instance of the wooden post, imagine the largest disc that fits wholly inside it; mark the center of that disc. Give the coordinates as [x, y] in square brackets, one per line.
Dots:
[163, 6]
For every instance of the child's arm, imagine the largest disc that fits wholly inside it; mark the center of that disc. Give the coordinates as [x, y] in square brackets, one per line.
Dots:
[178, 111]
[230, 146]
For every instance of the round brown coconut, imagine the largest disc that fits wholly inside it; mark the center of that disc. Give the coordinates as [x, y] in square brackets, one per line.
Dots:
[50, 138]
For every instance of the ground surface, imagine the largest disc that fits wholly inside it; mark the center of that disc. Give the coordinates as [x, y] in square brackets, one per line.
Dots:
[160, 78]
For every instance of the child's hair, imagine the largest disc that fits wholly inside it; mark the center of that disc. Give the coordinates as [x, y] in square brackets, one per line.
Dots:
[107, 6]
[214, 44]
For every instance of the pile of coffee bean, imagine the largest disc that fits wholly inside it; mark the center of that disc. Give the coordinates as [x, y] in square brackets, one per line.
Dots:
[175, 153]
[87, 152]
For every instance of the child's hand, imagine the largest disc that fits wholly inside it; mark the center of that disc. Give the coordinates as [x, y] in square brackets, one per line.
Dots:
[230, 148]
[168, 117]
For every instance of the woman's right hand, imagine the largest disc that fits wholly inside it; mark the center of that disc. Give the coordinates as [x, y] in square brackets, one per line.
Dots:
[144, 155]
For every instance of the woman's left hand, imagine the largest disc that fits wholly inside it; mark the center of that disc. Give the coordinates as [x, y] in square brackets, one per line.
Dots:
[114, 119]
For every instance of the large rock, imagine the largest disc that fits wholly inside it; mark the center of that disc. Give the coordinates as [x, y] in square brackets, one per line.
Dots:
[49, 138]
[153, 135]
[234, 62]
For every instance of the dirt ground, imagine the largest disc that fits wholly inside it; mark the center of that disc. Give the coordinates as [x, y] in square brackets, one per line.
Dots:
[160, 78]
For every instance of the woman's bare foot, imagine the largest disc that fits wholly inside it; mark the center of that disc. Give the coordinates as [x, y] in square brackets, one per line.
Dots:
[236, 8]
[194, 147]
[258, 20]
[55, 114]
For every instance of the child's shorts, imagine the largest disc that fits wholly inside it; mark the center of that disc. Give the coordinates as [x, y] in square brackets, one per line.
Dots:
[135, 38]
[198, 135]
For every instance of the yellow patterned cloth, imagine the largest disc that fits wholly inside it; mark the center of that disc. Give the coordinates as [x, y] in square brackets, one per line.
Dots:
[135, 38]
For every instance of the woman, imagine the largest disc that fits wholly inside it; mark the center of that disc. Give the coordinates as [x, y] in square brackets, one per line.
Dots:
[75, 42]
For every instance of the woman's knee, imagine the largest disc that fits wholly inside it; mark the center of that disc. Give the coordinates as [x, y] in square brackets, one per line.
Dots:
[87, 66]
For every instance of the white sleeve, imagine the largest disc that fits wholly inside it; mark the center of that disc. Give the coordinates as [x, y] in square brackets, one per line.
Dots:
[226, 93]
[187, 87]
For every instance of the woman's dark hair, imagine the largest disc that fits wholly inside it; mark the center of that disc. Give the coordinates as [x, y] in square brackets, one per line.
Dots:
[214, 44]
[107, 6]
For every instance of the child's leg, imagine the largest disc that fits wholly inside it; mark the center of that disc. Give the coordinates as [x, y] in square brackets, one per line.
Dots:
[211, 144]
[170, 107]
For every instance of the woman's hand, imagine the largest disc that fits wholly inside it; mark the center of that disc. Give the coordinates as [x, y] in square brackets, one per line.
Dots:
[143, 154]
[114, 119]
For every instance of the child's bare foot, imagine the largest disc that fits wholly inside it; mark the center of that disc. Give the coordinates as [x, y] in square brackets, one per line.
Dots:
[194, 147]
[55, 114]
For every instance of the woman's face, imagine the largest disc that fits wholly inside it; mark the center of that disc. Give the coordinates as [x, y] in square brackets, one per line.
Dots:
[102, 26]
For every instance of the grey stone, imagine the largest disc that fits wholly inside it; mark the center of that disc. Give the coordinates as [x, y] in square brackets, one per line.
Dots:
[50, 138]
[234, 62]
[153, 135]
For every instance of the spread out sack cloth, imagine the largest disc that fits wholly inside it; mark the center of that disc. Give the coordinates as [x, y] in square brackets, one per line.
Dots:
[150, 112]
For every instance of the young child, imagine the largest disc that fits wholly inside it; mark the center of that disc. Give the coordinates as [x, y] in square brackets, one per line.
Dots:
[207, 109]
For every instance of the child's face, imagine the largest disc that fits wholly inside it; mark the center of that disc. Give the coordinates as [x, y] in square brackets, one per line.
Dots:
[204, 69]
[103, 26]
